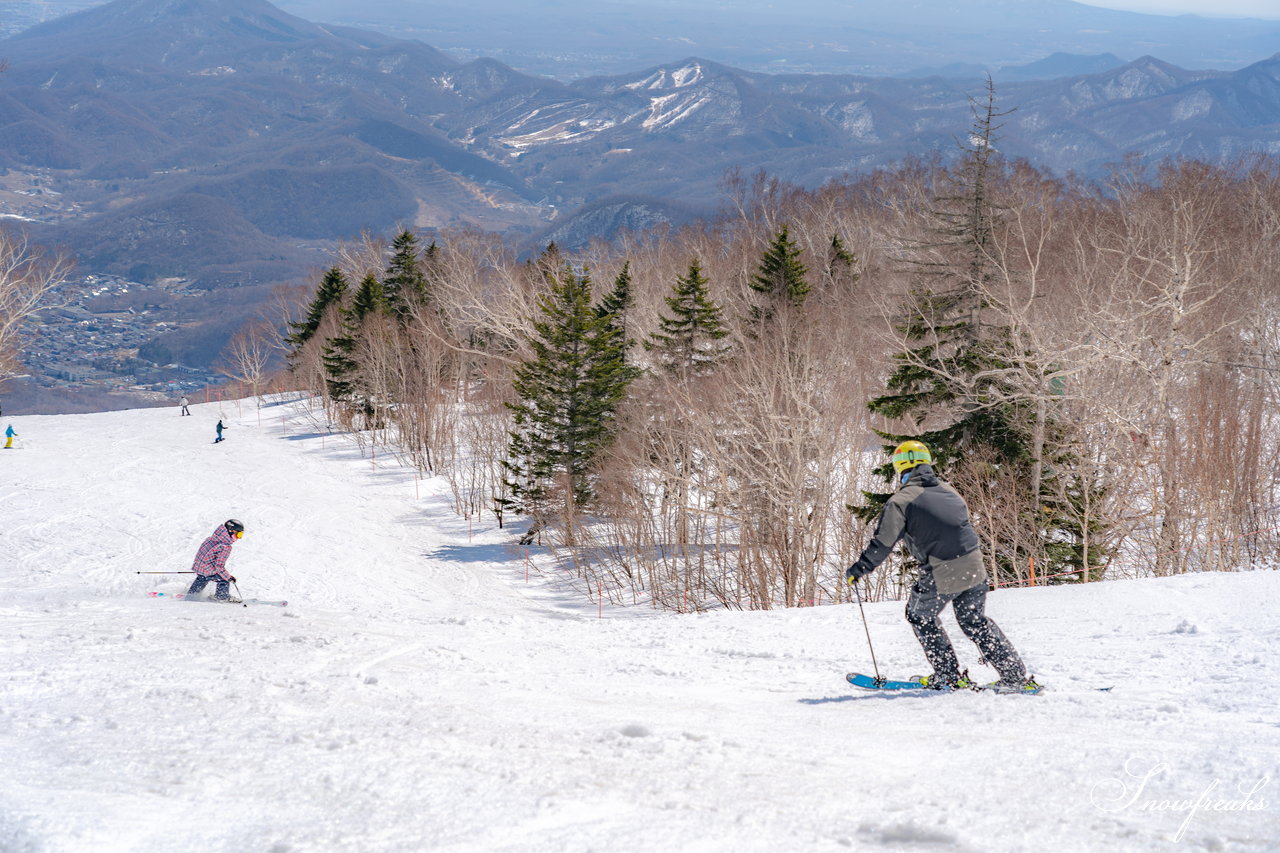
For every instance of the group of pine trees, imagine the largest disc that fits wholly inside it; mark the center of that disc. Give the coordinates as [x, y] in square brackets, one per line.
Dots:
[703, 431]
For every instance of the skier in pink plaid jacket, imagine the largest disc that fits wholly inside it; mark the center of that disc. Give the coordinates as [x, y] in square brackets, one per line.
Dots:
[211, 560]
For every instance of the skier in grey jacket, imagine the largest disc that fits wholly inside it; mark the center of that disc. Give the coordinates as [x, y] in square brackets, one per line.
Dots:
[934, 520]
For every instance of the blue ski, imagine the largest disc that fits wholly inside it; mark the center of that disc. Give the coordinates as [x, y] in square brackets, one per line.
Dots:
[870, 682]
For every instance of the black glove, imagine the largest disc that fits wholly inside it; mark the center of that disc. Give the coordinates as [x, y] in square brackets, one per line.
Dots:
[233, 578]
[858, 571]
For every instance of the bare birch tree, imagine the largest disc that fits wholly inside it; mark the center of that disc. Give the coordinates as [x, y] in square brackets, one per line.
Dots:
[249, 353]
[28, 273]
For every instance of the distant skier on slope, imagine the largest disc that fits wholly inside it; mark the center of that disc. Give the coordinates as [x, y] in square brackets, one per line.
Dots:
[211, 561]
[184, 403]
[934, 520]
[219, 428]
[9, 435]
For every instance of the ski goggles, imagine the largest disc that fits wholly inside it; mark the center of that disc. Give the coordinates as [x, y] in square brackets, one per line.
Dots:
[239, 534]
[909, 459]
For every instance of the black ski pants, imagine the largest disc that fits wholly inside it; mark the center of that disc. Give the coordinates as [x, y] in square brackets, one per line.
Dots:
[201, 581]
[969, 606]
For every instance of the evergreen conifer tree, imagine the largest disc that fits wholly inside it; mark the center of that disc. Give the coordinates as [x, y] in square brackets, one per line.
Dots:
[569, 393]
[780, 277]
[841, 263]
[547, 265]
[328, 295]
[689, 339]
[405, 282]
[340, 362]
[370, 298]
[617, 302]
[431, 265]
[612, 311]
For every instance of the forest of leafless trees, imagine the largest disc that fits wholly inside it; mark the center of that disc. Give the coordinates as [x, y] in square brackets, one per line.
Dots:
[1149, 302]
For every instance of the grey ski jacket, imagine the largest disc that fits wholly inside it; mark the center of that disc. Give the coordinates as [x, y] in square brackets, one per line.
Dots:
[934, 521]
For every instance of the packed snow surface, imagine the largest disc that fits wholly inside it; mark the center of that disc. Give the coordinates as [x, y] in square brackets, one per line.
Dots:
[419, 694]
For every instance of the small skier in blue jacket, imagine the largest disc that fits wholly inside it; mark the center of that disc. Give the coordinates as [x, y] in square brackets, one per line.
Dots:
[9, 435]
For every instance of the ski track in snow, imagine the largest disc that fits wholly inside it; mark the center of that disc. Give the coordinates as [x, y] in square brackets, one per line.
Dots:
[417, 694]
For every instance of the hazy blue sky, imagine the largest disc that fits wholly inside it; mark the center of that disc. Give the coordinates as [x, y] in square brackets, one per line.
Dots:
[1252, 8]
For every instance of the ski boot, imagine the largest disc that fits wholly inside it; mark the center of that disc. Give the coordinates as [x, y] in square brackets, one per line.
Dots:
[938, 682]
[1029, 686]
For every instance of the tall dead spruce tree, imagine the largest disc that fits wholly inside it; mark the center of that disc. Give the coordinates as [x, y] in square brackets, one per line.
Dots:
[961, 385]
[569, 392]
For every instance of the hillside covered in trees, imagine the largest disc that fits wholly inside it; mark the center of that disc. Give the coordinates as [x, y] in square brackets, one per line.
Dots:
[697, 417]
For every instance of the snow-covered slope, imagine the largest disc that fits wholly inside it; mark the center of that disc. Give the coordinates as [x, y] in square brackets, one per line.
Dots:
[418, 694]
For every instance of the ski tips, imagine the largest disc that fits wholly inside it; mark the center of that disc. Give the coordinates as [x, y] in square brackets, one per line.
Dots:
[182, 596]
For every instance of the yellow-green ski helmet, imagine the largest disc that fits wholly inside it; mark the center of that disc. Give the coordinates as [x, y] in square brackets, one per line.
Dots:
[909, 454]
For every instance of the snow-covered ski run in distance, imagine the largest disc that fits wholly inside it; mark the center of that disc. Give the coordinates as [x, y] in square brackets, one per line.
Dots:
[417, 694]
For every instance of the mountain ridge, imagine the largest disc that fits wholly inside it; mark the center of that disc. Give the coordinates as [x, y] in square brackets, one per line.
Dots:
[132, 28]
[249, 129]
[166, 86]
[808, 36]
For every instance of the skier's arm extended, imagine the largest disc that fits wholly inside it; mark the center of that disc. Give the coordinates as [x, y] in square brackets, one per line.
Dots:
[889, 529]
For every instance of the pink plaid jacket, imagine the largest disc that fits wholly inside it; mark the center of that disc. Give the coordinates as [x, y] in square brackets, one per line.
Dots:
[211, 559]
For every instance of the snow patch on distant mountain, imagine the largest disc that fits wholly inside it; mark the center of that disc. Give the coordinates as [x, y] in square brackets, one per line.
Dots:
[670, 109]
[678, 78]
[1193, 106]
[855, 118]
[561, 123]
[1130, 84]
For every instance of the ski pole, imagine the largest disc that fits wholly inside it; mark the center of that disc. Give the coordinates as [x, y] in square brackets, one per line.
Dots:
[867, 628]
[239, 594]
[164, 573]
